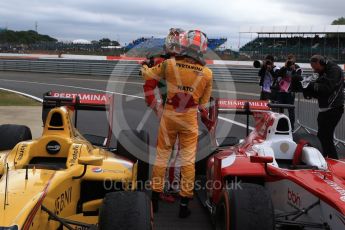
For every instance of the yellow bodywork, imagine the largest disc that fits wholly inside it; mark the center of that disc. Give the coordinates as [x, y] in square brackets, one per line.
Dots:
[52, 184]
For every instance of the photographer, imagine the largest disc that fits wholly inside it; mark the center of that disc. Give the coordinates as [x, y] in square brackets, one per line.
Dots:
[328, 89]
[267, 74]
[288, 76]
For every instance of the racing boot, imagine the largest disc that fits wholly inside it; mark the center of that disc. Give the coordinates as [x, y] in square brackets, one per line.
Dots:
[184, 210]
[154, 200]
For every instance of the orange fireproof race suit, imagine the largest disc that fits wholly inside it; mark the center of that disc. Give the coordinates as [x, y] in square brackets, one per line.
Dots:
[189, 87]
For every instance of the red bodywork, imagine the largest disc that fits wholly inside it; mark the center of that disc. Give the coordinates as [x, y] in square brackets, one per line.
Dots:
[328, 185]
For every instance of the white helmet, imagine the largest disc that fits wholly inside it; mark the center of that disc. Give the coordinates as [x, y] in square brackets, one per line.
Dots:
[172, 41]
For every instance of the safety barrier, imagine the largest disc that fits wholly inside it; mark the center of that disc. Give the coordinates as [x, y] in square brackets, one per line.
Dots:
[225, 73]
[308, 120]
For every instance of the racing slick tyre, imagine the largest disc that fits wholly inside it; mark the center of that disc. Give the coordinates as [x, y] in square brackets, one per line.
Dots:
[126, 210]
[313, 140]
[244, 208]
[130, 141]
[10, 135]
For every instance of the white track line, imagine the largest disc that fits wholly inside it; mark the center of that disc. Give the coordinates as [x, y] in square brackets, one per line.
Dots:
[140, 83]
[97, 90]
[74, 87]
[235, 122]
[100, 80]
[23, 94]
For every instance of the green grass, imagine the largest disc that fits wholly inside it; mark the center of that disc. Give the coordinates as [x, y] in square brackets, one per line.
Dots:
[12, 99]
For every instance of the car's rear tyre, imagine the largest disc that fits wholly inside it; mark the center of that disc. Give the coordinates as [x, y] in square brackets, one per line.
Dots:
[244, 208]
[134, 146]
[10, 135]
[312, 140]
[126, 210]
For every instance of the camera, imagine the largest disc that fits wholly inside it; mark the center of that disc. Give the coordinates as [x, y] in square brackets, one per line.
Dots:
[260, 64]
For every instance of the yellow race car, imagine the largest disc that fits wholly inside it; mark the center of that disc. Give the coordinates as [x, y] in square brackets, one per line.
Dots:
[62, 181]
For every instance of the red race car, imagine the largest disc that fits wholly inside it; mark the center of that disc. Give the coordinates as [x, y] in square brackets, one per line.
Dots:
[272, 179]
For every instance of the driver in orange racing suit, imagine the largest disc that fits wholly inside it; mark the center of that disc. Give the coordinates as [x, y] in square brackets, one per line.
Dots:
[172, 48]
[189, 86]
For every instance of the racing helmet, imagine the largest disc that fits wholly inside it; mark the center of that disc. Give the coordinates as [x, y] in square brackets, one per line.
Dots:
[194, 40]
[172, 41]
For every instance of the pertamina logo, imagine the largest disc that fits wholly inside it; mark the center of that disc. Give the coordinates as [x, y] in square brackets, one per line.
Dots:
[85, 98]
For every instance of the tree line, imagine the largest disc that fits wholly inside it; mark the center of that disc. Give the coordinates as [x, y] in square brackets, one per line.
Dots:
[24, 37]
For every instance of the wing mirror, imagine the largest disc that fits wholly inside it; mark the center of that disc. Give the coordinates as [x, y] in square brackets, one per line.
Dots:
[91, 160]
[261, 159]
[88, 160]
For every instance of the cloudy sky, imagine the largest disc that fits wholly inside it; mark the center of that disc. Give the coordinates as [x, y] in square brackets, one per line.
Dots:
[127, 20]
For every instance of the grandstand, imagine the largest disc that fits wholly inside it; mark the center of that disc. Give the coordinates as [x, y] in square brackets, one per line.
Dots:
[216, 43]
[301, 41]
[136, 43]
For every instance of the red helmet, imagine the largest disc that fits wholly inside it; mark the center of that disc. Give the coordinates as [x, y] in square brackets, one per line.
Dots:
[172, 41]
[195, 40]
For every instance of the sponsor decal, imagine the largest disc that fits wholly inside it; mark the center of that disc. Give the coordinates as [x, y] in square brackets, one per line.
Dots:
[97, 170]
[74, 158]
[293, 198]
[114, 170]
[81, 228]
[239, 104]
[185, 88]
[63, 200]
[192, 67]
[85, 98]
[284, 147]
[100, 170]
[335, 186]
[53, 147]
[21, 151]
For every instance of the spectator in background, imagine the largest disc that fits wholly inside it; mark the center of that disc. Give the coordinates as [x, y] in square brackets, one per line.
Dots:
[287, 76]
[328, 89]
[267, 75]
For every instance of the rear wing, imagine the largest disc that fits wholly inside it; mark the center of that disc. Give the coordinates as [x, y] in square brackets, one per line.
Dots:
[241, 106]
[247, 107]
[80, 101]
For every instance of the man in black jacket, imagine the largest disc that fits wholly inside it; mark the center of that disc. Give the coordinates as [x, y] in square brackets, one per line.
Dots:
[328, 89]
[267, 74]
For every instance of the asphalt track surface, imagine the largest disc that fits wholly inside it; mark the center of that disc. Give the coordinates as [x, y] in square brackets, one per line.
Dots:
[132, 113]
